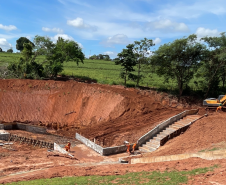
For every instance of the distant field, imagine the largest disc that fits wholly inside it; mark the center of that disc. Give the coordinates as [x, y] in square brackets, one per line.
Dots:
[105, 72]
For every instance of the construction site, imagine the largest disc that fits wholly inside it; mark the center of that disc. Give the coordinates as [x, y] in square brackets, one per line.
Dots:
[39, 117]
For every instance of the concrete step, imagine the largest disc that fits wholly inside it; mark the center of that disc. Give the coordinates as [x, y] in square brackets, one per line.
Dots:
[153, 144]
[150, 146]
[161, 136]
[143, 149]
[185, 122]
[171, 129]
[157, 138]
[153, 141]
[147, 148]
[168, 132]
[180, 123]
[177, 125]
[164, 133]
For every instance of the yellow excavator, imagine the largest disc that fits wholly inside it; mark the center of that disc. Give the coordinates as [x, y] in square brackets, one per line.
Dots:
[213, 102]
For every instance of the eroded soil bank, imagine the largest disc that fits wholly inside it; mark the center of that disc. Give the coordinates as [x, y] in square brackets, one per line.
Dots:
[111, 114]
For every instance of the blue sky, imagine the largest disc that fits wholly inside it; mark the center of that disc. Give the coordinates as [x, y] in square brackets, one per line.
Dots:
[107, 26]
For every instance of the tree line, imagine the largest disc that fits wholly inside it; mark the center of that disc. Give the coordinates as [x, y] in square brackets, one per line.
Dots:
[8, 50]
[184, 59]
[181, 60]
[55, 54]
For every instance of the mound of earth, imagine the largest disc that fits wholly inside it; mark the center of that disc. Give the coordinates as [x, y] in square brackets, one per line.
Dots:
[109, 114]
[208, 133]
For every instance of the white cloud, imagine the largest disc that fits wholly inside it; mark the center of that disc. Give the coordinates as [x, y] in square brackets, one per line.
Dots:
[65, 37]
[193, 10]
[202, 32]
[4, 44]
[116, 39]
[108, 53]
[167, 26]
[8, 28]
[79, 23]
[157, 40]
[57, 30]
[111, 54]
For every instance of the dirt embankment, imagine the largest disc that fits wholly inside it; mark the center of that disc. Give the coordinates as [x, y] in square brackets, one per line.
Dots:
[109, 114]
[205, 134]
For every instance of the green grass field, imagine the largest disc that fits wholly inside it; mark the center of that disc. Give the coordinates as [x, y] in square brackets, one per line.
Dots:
[105, 72]
[155, 177]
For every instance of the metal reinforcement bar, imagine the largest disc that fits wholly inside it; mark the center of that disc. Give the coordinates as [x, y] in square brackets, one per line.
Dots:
[31, 141]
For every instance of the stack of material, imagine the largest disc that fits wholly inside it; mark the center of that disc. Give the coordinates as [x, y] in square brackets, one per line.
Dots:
[4, 135]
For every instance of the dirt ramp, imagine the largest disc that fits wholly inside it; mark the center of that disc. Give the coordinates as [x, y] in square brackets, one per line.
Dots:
[57, 104]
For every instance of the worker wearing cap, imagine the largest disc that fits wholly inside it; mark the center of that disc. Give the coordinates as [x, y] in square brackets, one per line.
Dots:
[219, 108]
[68, 146]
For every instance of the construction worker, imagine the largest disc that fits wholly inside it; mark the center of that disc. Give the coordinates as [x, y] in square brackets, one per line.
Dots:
[219, 108]
[68, 146]
[128, 147]
[134, 147]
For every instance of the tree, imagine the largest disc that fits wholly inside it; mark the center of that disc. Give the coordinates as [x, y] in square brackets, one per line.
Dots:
[56, 54]
[64, 51]
[26, 67]
[0, 49]
[43, 45]
[142, 49]
[178, 60]
[213, 64]
[100, 57]
[94, 57]
[106, 57]
[21, 41]
[10, 50]
[127, 60]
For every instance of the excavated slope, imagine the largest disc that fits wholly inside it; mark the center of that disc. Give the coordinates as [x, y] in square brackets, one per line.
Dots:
[109, 114]
[57, 104]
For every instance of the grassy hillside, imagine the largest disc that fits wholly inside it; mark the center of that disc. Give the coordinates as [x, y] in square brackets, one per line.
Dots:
[105, 72]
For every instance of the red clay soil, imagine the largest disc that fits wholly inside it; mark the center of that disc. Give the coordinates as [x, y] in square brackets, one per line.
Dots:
[109, 114]
[218, 176]
[205, 134]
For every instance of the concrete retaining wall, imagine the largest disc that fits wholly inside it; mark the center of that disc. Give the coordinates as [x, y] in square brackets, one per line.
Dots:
[31, 128]
[164, 125]
[10, 126]
[220, 154]
[26, 127]
[89, 143]
[1, 127]
[115, 150]
[142, 140]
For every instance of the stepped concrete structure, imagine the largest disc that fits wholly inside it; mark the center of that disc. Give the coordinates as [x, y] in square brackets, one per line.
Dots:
[155, 142]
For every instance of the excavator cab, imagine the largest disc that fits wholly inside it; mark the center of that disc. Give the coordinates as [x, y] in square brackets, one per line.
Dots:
[215, 102]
